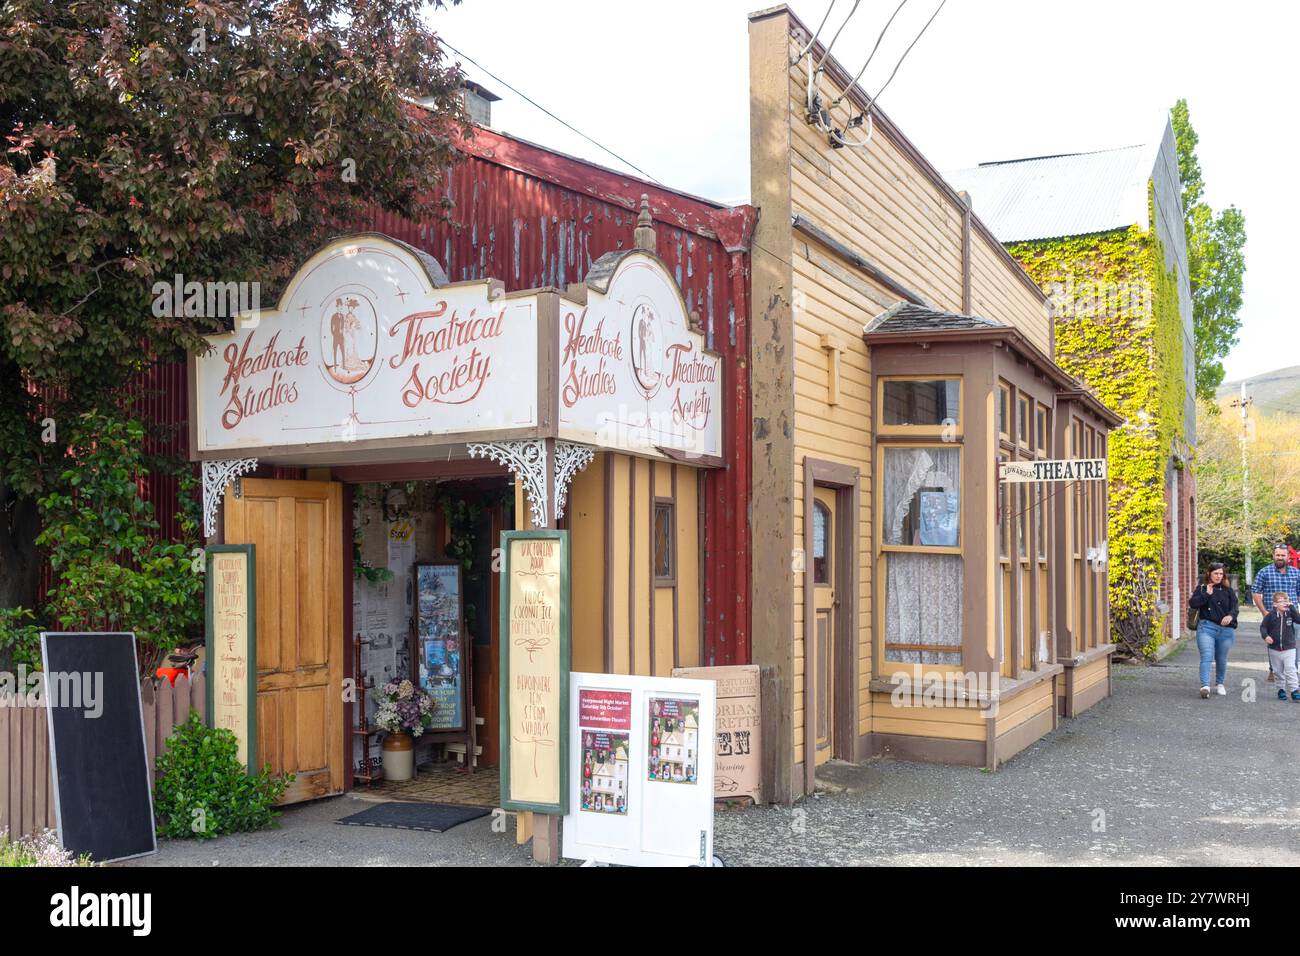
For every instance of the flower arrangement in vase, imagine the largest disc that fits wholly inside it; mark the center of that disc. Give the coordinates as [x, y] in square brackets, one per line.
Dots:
[404, 713]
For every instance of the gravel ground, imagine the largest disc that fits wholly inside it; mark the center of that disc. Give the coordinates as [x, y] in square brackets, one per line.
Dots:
[1152, 776]
[1173, 779]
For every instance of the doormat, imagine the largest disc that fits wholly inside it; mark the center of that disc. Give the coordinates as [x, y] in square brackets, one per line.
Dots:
[428, 817]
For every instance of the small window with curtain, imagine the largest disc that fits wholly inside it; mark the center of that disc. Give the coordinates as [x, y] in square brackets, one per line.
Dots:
[665, 543]
[922, 497]
[1004, 521]
[1022, 520]
[1041, 521]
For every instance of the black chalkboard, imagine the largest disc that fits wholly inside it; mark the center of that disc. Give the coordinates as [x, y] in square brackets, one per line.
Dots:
[101, 772]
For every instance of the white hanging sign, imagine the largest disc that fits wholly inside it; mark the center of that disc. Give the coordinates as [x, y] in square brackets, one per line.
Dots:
[1063, 469]
[640, 794]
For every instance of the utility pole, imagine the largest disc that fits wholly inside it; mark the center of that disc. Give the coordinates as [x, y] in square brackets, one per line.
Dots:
[1244, 404]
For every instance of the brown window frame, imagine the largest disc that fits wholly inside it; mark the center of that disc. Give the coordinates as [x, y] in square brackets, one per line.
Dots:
[940, 429]
[1003, 411]
[670, 506]
[885, 551]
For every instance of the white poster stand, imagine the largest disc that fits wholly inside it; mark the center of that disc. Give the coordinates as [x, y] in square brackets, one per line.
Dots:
[640, 794]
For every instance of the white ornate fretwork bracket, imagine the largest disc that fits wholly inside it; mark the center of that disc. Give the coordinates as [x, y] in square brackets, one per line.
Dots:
[526, 459]
[216, 475]
[569, 460]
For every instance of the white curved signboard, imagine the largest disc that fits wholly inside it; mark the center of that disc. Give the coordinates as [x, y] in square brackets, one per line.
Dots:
[365, 346]
[633, 375]
[369, 344]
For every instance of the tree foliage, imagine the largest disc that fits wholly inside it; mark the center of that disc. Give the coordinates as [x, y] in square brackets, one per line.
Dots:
[1272, 446]
[219, 140]
[1215, 259]
[114, 570]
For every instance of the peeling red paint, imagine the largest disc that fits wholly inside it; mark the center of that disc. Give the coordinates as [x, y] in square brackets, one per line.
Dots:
[532, 217]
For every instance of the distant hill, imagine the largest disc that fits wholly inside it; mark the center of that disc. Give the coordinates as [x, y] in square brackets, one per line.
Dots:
[1275, 393]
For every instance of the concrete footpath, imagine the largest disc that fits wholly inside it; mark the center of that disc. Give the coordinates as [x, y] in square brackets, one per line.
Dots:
[1152, 776]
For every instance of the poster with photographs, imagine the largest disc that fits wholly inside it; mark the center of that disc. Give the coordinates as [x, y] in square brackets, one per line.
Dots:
[939, 518]
[604, 772]
[439, 637]
[674, 740]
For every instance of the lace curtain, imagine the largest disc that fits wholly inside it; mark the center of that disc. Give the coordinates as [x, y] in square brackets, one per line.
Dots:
[907, 471]
[923, 592]
[923, 595]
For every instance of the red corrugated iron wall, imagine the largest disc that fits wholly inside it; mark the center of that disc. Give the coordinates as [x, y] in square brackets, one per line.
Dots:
[159, 397]
[507, 222]
[533, 218]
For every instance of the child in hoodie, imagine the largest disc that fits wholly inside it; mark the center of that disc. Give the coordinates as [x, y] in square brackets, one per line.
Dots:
[1278, 631]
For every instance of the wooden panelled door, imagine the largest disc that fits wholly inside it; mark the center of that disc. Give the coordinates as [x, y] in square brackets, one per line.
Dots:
[296, 527]
[823, 606]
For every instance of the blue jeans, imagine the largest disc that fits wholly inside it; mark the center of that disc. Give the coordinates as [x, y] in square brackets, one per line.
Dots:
[1214, 641]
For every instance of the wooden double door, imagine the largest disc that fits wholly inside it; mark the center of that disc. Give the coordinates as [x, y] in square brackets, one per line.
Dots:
[296, 527]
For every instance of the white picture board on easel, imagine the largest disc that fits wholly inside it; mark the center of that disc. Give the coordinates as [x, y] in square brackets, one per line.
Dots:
[641, 770]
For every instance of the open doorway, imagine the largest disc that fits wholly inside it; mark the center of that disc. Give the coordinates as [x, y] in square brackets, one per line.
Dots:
[424, 608]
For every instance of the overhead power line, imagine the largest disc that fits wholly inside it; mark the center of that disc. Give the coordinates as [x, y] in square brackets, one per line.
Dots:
[881, 91]
[533, 102]
[831, 45]
[838, 136]
[848, 89]
[813, 39]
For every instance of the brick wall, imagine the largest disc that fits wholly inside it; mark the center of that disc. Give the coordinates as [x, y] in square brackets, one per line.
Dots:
[1188, 570]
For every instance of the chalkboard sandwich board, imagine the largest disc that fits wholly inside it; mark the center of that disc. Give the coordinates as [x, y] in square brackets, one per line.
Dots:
[102, 799]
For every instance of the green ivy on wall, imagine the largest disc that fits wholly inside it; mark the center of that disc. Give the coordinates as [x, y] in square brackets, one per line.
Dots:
[1119, 331]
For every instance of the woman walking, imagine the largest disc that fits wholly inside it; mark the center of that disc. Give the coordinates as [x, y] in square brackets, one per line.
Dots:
[1216, 627]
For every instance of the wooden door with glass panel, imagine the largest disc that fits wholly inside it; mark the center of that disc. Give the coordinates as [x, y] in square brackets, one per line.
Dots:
[823, 607]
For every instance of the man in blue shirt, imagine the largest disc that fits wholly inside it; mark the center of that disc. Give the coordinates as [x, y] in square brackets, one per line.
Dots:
[1279, 576]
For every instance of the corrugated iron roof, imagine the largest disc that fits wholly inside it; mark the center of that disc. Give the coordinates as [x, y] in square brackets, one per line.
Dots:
[1050, 196]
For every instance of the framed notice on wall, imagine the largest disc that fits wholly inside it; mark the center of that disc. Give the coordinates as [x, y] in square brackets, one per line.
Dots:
[440, 643]
[535, 658]
[231, 658]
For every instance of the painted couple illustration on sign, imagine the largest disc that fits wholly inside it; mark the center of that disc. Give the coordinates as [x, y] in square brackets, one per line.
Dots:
[346, 364]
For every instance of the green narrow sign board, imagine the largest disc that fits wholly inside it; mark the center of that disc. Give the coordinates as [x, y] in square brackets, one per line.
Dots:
[535, 663]
[231, 659]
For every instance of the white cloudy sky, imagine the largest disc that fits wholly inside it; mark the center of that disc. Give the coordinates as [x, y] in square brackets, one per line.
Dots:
[665, 84]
